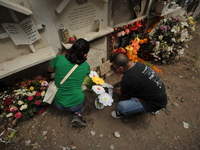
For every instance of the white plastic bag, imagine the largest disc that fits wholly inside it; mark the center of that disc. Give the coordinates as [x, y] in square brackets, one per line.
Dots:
[50, 93]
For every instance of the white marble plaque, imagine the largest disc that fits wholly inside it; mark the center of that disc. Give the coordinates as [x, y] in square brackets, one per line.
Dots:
[81, 17]
[23, 33]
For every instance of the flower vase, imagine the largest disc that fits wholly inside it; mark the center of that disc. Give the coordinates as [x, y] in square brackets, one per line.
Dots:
[41, 110]
[97, 104]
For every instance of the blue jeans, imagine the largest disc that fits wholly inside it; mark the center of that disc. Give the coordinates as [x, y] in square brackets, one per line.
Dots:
[73, 109]
[131, 106]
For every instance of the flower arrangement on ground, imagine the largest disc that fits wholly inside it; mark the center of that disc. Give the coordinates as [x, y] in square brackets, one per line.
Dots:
[170, 37]
[102, 90]
[24, 98]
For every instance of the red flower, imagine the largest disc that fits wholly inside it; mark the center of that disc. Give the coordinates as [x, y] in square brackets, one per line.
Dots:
[29, 82]
[17, 115]
[38, 93]
[133, 28]
[6, 109]
[37, 102]
[13, 109]
[136, 26]
[38, 77]
[8, 101]
[72, 40]
[30, 98]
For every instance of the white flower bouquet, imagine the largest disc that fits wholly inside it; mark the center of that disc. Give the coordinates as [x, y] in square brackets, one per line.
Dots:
[103, 90]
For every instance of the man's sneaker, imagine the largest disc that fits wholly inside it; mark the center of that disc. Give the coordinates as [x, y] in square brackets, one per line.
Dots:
[116, 114]
[155, 113]
[78, 122]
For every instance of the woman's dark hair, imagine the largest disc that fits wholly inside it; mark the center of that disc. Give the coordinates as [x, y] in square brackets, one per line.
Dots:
[76, 54]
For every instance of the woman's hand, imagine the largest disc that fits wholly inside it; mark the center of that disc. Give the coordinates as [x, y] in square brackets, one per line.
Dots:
[50, 69]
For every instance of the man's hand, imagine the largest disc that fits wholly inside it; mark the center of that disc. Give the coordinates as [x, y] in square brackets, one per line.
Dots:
[117, 84]
[118, 92]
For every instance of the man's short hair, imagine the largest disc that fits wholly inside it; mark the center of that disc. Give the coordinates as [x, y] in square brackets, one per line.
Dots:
[120, 60]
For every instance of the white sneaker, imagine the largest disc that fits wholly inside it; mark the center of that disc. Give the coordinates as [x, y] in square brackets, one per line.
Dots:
[155, 113]
[116, 114]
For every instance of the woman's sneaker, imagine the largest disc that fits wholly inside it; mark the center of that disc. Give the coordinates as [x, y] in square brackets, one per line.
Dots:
[116, 114]
[78, 122]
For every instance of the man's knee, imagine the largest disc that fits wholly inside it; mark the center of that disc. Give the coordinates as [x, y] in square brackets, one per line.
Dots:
[120, 107]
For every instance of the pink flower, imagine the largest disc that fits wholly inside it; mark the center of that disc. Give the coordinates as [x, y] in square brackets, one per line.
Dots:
[14, 109]
[37, 102]
[71, 40]
[38, 93]
[43, 88]
[44, 83]
[30, 98]
[127, 31]
[119, 34]
[17, 115]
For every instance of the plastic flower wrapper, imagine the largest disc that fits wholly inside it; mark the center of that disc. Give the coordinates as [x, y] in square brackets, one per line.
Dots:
[88, 82]
[109, 88]
[105, 99]
[110, 92]
[106, 85]
[98, 89]
[8, 136]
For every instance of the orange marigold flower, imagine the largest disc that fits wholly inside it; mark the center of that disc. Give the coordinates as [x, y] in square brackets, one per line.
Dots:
[156, 69]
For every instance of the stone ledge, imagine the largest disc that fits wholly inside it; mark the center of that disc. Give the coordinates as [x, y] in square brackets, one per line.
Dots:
[23, 62]
[92, 35]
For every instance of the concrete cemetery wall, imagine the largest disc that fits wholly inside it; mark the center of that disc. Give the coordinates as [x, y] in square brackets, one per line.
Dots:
[88, 20]
[92, 20]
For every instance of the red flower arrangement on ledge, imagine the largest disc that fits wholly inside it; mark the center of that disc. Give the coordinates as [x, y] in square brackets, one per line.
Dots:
[133, 44]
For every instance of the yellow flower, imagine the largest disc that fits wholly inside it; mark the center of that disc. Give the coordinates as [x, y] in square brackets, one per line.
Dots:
[31, 88]
[129, 47]
[191, 22]
[137, 39]
[97, 80]
[190, 18]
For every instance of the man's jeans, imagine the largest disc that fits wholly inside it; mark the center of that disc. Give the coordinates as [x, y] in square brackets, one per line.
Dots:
[131, 106]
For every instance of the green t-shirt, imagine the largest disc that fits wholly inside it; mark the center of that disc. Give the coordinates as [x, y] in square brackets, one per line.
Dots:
[70, 92]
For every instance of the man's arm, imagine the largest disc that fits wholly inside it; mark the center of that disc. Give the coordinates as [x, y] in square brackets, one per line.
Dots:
[118, 84]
